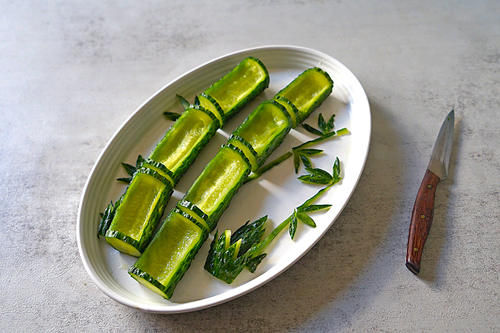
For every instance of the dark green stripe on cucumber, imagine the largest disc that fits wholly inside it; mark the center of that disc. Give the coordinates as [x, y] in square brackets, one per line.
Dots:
[195, 214]
[290, 107]
[246, 148]
[210, 104]
[159, 168]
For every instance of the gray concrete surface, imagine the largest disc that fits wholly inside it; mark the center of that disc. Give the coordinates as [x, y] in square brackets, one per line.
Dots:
[72, 72]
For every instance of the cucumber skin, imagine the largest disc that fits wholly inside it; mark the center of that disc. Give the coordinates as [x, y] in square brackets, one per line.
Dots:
[107, 218]
[259, 88]
[168, 290]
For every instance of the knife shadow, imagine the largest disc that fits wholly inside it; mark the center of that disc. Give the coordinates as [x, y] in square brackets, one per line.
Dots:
[358, 250]
[434, 256]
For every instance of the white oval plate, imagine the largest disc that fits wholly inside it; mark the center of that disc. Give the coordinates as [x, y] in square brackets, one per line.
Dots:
[276, 194]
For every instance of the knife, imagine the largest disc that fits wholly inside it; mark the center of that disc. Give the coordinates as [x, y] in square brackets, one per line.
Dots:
[423, 209]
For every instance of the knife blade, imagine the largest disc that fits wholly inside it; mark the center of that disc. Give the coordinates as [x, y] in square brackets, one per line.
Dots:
[423, 209]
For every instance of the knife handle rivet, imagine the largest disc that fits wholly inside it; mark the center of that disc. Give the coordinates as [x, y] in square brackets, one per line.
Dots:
[422, 216]
[429, 186]
[415, 249]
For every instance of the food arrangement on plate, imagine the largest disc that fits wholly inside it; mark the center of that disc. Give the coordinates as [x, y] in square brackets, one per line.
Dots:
[165, 248]
[129, 224]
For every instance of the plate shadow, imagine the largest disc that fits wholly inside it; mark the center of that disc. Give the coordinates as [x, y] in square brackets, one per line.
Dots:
[434, 257]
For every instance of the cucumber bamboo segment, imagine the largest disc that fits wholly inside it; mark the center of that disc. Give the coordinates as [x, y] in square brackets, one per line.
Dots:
[307, 91]
[137, 213]
[135, 220]
[177, 241]
[170, 253]
[180, 146]
[239, 86]
[263, 130]
[214, 188]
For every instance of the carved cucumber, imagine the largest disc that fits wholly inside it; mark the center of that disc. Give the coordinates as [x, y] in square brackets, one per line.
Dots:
[169, 255]
[128, 227]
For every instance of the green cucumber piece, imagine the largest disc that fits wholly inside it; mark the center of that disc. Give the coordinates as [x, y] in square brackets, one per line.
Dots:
[170, 253]
[218, 182]
[159, 168]
[265, 128]
[200, 223]
[191, 209]
[246, 148]
[308, 91]
[292, 109]
[239, 86]
[210, 104]
[139, 212]
[181, 144]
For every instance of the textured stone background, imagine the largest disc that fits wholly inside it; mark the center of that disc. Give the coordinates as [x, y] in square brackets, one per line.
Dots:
[71, 73]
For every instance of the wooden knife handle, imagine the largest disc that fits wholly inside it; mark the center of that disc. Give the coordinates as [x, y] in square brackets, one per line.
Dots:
[421, 220]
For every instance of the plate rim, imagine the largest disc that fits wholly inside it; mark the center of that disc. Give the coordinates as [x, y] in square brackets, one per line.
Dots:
[258, 281]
